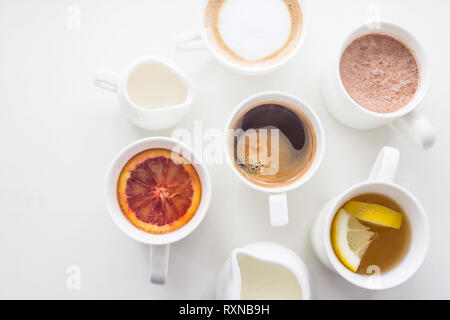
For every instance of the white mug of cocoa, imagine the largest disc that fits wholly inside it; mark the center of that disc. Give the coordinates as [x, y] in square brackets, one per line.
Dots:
[379, 77]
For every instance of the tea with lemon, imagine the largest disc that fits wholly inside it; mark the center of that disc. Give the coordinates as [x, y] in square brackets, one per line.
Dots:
[370, 230]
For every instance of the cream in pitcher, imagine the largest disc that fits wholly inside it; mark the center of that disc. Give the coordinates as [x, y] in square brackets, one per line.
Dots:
[152, 86]
[263, 271]
[153, 92]
[261, 280]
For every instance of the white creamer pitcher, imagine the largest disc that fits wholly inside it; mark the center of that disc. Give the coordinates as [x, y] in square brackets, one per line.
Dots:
[261, 271]
[167, 82]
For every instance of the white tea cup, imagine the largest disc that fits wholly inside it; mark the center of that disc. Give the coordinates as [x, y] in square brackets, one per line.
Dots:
[147, 118]
[159, 243]
[203, 38]
[380, 181]
[407, 119]
[278, 208]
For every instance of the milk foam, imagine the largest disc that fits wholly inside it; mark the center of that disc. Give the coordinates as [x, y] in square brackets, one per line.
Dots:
[254, 29]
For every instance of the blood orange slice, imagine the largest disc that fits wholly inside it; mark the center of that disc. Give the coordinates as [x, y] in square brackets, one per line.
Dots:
[158, 190]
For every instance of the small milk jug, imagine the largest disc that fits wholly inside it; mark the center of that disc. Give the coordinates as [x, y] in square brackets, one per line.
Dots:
[263, 271]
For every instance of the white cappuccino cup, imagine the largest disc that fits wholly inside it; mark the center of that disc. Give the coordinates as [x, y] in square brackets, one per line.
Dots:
[252, 37]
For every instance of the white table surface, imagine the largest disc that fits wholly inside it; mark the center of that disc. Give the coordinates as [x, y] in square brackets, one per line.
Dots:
[58, 134]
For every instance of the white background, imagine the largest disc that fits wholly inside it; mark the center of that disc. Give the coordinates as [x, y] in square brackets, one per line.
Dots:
[58, 133]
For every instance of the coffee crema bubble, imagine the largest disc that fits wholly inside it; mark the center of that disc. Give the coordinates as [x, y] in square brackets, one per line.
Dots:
[253, 32]
[272, 144]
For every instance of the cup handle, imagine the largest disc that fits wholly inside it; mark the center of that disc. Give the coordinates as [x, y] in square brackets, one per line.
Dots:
[418, 128]
[106, 80]
[278, 209]
[189, 41]
[159, 262]
[385, 167]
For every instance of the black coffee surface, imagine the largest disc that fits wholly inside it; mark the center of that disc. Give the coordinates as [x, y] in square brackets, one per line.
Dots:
[286, 120]
[269, 162]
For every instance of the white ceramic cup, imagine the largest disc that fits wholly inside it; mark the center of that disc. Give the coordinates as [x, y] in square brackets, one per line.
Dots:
[151, 119]
[407, 119]
[199, 39]
[277, 195]
[159, 243]
[380, 181]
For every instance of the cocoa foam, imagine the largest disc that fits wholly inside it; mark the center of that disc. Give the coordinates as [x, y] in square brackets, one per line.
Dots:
[379, 72]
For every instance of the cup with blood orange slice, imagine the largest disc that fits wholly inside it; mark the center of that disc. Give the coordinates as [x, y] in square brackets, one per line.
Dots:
[157, 192]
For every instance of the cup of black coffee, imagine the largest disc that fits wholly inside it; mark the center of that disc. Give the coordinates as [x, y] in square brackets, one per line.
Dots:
[275, 143]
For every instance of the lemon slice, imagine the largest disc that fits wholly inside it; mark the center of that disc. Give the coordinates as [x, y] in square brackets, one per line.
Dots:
[350, 239]
[374, 213]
